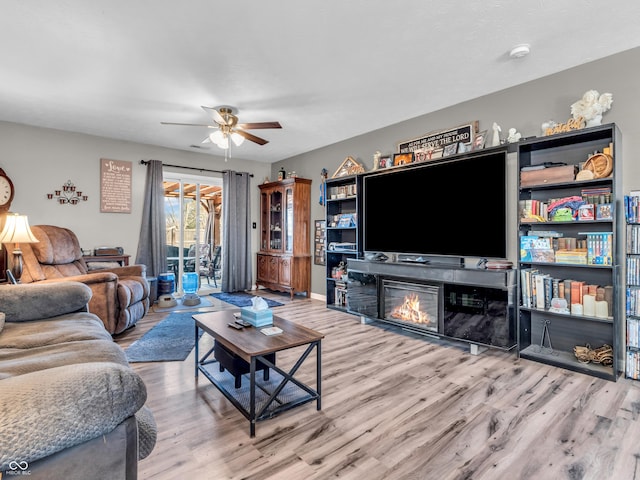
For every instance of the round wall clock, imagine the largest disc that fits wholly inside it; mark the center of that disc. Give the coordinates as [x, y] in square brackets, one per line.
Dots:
[6, 191]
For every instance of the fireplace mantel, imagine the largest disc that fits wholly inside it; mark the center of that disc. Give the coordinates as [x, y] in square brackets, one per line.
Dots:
[475, 305]
[437, 272]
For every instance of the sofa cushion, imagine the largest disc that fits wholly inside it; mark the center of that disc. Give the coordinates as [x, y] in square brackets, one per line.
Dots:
[21, 361]
[47, 411]
[71, 339]
[147, 432]
[45, 300]
[2, 317]
[56, 245]
[72, 327]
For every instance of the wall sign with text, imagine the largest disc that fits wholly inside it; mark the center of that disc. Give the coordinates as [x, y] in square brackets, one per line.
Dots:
[431, 145]
[115, 186]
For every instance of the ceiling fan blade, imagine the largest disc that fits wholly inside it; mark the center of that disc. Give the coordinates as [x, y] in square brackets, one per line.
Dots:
[215, 114]
[251, 137]
[190, 124]
[255, 126]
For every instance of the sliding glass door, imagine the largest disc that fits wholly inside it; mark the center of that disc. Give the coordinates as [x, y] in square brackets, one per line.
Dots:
[193, 209]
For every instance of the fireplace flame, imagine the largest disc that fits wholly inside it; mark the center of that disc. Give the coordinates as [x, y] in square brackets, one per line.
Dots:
[410, 311]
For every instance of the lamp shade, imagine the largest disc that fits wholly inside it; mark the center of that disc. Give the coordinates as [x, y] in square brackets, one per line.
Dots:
[237, 139]
[16, 230]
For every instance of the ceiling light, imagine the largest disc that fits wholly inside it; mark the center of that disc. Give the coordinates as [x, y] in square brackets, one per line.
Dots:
[237, 139]
[520, 51]
[216, 136]
[223, 142]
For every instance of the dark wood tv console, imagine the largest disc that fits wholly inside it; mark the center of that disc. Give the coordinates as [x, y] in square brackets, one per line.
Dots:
[469, 304]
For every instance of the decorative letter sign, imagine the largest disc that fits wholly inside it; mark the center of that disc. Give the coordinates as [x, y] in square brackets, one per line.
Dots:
[115, 186]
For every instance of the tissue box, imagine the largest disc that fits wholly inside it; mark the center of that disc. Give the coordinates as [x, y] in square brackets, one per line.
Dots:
[257, 318]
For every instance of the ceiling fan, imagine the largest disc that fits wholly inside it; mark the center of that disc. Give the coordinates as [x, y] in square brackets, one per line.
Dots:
[227, 127]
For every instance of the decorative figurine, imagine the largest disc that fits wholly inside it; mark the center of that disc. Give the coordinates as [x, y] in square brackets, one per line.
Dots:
[323, 185]
[549, 124]
[496, 135]
[514, 136]
[376, 159]
[591, 107]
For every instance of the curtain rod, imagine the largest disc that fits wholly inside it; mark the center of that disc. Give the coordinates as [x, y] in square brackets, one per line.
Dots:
[146, 162]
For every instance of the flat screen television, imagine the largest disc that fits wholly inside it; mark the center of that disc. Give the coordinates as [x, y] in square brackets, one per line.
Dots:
[445, 208]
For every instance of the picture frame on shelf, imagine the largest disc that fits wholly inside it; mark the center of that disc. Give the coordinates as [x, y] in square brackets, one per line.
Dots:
[385, 161]
[479, 140]
[586, 212]
[349, 167]
[319, 246]
[402, 158]
[450, 149]
[604, 211]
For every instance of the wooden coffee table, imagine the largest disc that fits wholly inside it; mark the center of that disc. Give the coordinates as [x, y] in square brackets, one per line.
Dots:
[265, 396]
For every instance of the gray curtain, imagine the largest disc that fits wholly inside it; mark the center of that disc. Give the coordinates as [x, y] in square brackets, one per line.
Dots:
[237, 274]
[152, 243]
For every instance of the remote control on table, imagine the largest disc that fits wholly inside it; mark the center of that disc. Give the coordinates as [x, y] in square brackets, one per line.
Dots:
[235, 325]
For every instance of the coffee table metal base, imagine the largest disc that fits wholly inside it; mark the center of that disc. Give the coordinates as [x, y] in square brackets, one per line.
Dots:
[262, 399]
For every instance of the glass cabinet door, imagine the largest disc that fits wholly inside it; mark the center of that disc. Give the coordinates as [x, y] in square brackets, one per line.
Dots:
[275, 220]
[264, 222]
[288, 218]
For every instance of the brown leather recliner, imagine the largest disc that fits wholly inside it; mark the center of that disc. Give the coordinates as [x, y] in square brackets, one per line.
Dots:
[120, 295]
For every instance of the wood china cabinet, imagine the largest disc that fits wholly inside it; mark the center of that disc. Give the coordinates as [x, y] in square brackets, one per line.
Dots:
[284, 259]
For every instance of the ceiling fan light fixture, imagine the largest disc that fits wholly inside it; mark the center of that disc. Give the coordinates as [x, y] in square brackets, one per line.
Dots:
[225, 126]
[219, 138]
[237, 139]
[223, 143]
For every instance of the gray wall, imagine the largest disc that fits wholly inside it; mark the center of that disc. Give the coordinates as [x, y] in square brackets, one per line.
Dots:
[524, 107]
[41, 160]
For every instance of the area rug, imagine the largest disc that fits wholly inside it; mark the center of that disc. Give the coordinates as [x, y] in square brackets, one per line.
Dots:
[172, 339]
[242, 299]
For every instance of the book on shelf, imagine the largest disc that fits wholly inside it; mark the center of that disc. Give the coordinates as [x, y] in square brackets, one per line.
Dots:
[567, 290]
[543, 255]
[599, 248]
[596, 195]
[632, 303]
[526, 246]
[631, 211]
[633, 239]
[632, 333]
[540, 291]
[572, 257]
[545, 233]
[576, 291]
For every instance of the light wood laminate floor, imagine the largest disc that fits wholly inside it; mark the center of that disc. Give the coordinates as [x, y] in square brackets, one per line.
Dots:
[396, 406]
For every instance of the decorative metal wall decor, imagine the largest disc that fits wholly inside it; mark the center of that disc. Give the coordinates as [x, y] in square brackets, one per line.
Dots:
[69, 195]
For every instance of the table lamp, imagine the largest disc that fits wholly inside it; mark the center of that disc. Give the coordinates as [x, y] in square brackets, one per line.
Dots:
[16, 230]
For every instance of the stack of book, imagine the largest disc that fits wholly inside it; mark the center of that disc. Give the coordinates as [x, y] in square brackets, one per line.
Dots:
[572, 257]
[599, 248]
[538, 289]
[631, 208]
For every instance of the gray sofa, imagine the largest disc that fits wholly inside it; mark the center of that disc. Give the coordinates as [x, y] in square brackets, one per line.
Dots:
[70, 405]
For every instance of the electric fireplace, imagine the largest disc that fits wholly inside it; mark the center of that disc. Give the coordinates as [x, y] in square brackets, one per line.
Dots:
[413, 305]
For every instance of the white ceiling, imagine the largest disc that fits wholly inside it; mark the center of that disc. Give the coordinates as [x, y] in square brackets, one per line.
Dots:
[327, 70]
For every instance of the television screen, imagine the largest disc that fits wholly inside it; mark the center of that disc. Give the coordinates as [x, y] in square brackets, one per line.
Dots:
[448, 207]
